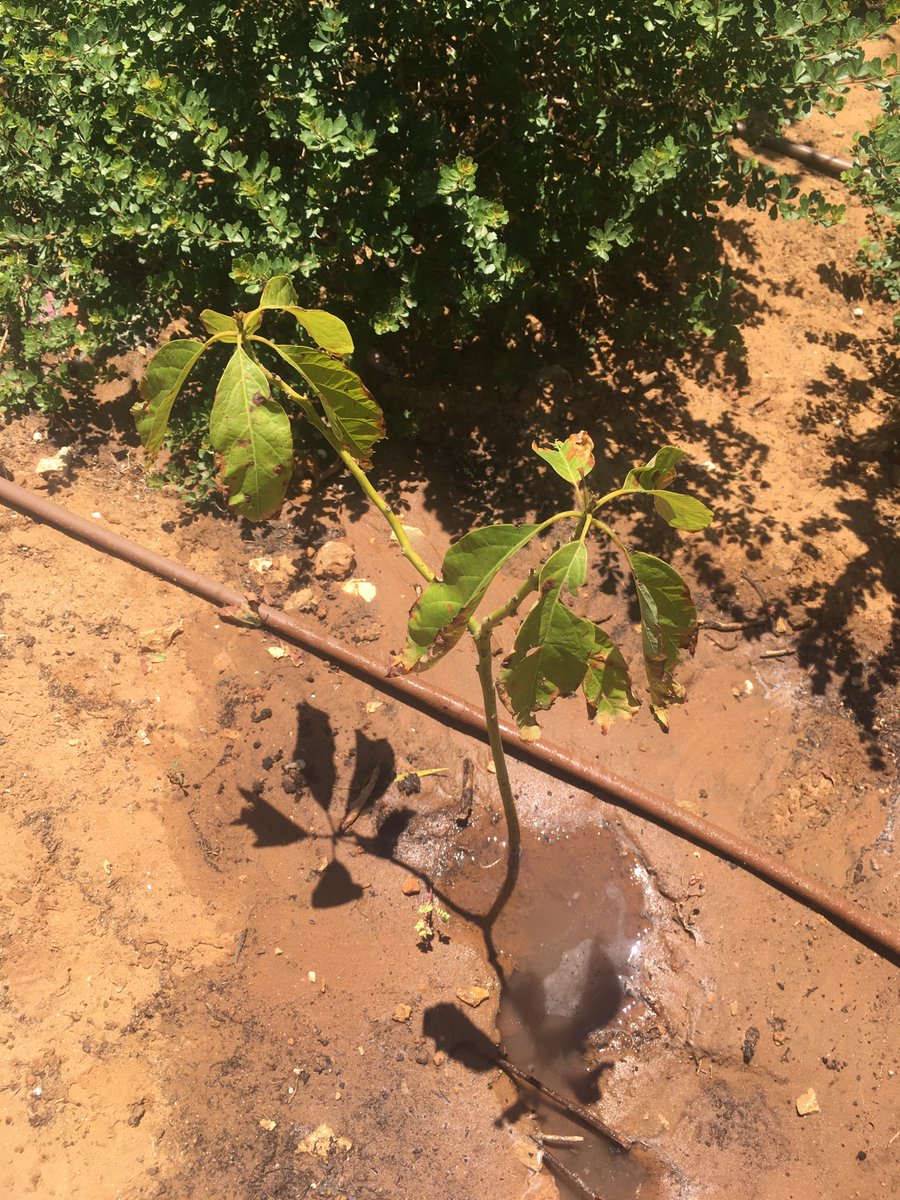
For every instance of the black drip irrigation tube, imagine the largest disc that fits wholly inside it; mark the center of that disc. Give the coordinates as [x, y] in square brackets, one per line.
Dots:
[816, 160]
[848, 916]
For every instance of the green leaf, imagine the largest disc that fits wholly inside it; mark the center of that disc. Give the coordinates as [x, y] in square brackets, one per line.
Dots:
[565, 568]
[607, 683]
[439, 617]
[353, 413]
[326, 330]
[552, 647]
[164, 378]
[668, 627]
[252, 435]
[279, 292]
[682, 512]
[216, 322]
[571, 459]
[657, 473]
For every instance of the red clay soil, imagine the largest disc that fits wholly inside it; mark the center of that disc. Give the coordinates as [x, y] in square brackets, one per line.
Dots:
[199, 972]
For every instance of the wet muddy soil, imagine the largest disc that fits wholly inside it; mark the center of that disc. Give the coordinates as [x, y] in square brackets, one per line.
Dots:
[208, 988]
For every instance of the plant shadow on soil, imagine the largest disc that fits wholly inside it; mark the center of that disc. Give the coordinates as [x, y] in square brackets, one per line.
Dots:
[571, 949]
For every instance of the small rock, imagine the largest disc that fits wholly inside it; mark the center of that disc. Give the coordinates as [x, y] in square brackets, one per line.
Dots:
[303, 600]
[58, 464]
[410, 886]
[807, 1103]
[335, 560]
[361, 588]
[748, 1049]
[323, 1143]
[412, 532]
[440, 1058]
[136, 1114]
[527, 1153]
[422, 1057]
[473, 996]
[402, 1013]
[267, 1125]
[553, 373]
[154, 641]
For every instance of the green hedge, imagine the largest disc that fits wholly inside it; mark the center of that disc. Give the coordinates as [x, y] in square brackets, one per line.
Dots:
[438, 163]
[876, 180]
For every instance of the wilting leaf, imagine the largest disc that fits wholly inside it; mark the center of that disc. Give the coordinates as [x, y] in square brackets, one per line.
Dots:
[571, 459]
[668, 626]
[278, 293]
[252, 434]
[164, 378]
[552, 647]
[439, 617]
[682, 512]
[607, 683]
[353, 413]
[240, 614]
[657, 473]
[217, 322]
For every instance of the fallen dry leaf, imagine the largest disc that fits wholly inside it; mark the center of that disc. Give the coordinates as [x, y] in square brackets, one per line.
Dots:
[276, 651]
[154, 641]
[362, 799]
[266, 1124]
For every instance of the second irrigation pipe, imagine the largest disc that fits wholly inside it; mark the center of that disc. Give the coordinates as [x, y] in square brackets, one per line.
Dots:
[867, 927]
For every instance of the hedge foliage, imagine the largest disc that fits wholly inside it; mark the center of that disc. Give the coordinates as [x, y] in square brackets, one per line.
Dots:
[437, 163]
[876, 180]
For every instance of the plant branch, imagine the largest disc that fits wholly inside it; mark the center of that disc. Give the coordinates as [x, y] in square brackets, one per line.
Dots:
[483, 645]
[613, 536]
[509, 609]
[373, 494]
[365, 484]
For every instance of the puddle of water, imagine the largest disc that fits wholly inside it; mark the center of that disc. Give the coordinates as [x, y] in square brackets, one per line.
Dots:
[568, 942]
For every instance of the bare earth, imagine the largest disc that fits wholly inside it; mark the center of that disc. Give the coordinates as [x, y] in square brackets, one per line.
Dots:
[197, 972]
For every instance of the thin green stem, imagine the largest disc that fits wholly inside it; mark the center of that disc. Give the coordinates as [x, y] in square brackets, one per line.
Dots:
[389, 515]
[613, 536]
[598, 504]
[509, 609]
[484, 646]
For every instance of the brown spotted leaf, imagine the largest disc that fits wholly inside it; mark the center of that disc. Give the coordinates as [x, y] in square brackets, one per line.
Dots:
[251, 435]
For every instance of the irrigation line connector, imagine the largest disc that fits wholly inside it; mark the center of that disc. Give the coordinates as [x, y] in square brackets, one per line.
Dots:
[867, 927]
